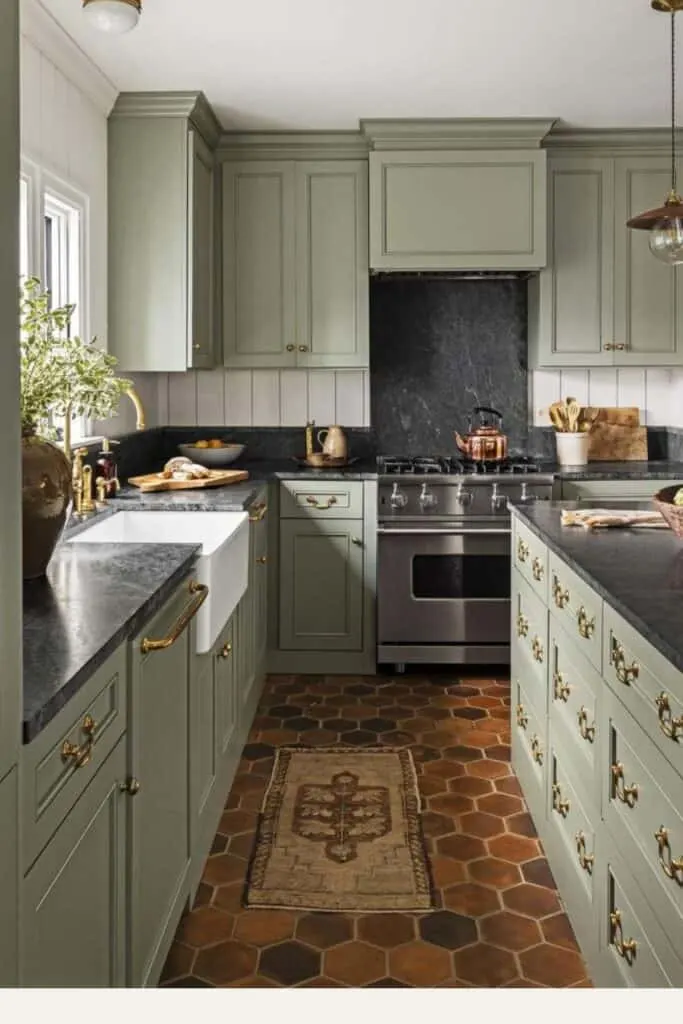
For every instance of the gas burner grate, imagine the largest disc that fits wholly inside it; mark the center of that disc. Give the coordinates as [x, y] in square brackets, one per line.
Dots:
[454, 465]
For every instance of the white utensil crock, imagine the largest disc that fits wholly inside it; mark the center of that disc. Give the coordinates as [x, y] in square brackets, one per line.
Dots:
[572, 449]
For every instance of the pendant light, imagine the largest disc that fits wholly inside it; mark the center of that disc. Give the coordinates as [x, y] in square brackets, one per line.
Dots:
[665, 224]
[113, 16]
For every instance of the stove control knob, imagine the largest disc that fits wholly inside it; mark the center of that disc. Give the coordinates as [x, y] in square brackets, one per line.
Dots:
[398, 499]
[464, 498]
[524, 496]
[427, 499]
[499, 502]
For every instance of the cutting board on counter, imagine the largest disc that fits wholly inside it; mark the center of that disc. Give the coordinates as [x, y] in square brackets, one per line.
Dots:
[628, 416]
[611, 442]
[218, 478]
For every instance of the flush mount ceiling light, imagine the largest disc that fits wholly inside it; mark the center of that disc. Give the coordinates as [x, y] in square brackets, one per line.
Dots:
[665, 224]
[113, 16]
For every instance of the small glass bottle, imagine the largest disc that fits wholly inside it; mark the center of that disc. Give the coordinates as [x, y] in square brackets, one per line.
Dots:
[107, 469]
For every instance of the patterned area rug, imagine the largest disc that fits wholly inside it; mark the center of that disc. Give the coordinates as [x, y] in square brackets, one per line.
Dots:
[340, 830]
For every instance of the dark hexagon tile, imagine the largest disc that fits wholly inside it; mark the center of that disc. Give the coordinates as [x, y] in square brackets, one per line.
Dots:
[290, 963]
[470, 713]
[226, 962]
[189, 982]
[303, 724]
[340, 724]
[379, 724]
[420, 963]
[559, 932]
[285, 711]
[422, 754]
[485, 965]
[178, 962]
[386, 930]
[462, 754]
[532, 900]
[265, 927]
[218, 845]
[436, 714]
[360, 690]
[319, 738]
[538, 871]
[233, 823]
[500, 752]
[415, 725]
[203, 896]
[436, 824]
[355, 963]
[461, 847]
[511, 931]
[324, 930]
[223, 869]
[257, 751]
[243, 845]
[552, 966]
[522, 825]
[492, 871]
[229, 897]
[397, 738]
[448, 929]
[446, 769]
[360, 738]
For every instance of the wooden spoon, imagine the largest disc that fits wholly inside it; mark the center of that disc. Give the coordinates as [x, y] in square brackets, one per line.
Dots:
[558, 417]
[573, 413]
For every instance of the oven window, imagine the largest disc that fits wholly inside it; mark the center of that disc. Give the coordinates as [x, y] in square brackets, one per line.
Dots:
[456, 577]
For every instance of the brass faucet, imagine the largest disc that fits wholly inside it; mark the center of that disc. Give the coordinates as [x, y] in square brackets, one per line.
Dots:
[81, 483]
[310, 427]
[140, 420]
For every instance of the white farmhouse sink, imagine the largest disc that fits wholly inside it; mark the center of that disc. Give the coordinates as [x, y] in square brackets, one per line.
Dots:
[223, 562]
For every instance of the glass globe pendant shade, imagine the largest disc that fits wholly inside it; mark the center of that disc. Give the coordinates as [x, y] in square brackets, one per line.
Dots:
[666, 241]
[113, 16]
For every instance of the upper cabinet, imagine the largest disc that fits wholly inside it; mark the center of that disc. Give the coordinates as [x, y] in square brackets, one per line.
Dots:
[162, 217]
[457, 195]
[295, 263]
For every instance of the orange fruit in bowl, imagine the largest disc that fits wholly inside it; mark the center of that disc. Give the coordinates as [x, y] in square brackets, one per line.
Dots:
[215, 443]
[202, 444]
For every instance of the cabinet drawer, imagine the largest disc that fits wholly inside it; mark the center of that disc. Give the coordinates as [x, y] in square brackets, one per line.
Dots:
[529, 751]
[578, 608]
[319, 499]
[530, 641]
[574, 824]
[611, 490]
[647, 684]
[530, 558]
[574, 689]
[644, 814]
[63, 759]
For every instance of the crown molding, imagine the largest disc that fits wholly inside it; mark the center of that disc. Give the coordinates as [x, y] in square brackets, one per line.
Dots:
[610, 140]
[335, 145]
[457, 133]
[42, 31]
[193, 106]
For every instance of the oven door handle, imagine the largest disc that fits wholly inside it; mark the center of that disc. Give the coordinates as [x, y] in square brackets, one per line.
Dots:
[450, 531]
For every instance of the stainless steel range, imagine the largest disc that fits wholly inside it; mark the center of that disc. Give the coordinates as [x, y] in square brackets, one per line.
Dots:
[444, 557]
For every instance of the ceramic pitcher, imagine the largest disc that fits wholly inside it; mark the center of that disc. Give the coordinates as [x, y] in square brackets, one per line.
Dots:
[333, 441]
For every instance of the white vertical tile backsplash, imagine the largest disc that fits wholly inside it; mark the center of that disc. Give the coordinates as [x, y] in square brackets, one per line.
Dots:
[265, 398]
[545, 387]
[293, 397]
[602, 386]
[657, 392]
[631, 387]
[182, 399]
[658, 387]
[238, 404]
[574, 382]
[210, 397]
[350, 398]
[322, 397]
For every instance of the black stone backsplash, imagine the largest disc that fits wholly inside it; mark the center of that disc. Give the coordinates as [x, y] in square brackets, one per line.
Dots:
[438, 347]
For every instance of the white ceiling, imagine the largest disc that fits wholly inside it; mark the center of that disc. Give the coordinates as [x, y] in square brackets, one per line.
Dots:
[322, 64]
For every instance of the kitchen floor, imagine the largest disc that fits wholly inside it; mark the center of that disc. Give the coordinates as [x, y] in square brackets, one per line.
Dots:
[499, 922]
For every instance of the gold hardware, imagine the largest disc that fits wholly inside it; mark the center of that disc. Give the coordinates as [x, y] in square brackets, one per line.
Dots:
[101, 488]
[537, 569]
[560, 805]
[130, 786]
[669, 725]
[627, 794]
[670, 866]
[314, 501]
[81, 755]
[303, 348]
[258, 512]
[225, 651]
[587, 731]
[667, 6]
[200, 592]
[522, 625]
[196, 347]
[586, 860]
[522, 717]
[560, 596]
[261, 560]
[624, 947]
[560, 688]
[623, 673]
[620, 347]
[536, 751]
[139, 411]
[291, 348]
[537, 649]
[87, 503]
[608, 346]
[77, 478]
[586, 625]
[357, 541]
[522, 551]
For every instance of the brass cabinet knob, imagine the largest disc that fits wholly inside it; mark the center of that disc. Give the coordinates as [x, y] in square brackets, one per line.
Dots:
[537, 649]
[537, 569]
[522, 625]
[262, 560]
[536, 750]
[303, 348]
[291, 348]
[627, 794]
[586, 860]
[587, 731]
[585, 625]
[196, 347]
[561, 690]
[626, 674]
[560, 805]
[560, 593]
[130, 786]
[357, 541]
[608, 346]
[669, 725]
[620, 347]
[81, 755]
[225, 651]
[671, 866]
[624, 947]
[522, 717]
[522, 551]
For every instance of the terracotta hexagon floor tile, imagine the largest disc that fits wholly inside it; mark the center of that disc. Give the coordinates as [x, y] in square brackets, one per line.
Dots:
[223, 869]
[321, 983]
[492, 871]
[436, 714]
[538, 871]
[500, 803]
[463, 754]
[489, 701]
[226, 962]
[472, 714]
[488, 769]
[480, 824]
[474, 740]
[205, 927]
[420, 963]
[485, 965]
[516, 849]
[501, 752]
[178, 962]
[446, 769]
[242, 846]
[265, 927]
[388, 983]
[321, 738]
[386, 930]
[233, 823]
[448, 929]
[189, 982]
[431, 785]
[451, 804]
[229, 897]
[397, 738]
[446, 871]
[258, 981]
[552, 966]
[559, 931]
[249, 783]
[511, 931]
[355, 963]
[324, 930]
[470, 786]
[522, 825]
[278, 737]
[289, 963]
[533, 900]
[461, 847]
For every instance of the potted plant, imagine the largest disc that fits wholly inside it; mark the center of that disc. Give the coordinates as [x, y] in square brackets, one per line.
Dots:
[61, 376]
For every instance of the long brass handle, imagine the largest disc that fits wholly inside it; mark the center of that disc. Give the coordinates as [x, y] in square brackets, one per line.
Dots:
[627, 794]
[671, 866]
[537, 649]
[624, 947]
[316, 504]
[669, 725]
[537, 569]
[258, 512]
[522, 551]
[522, 625]
[560, 805]
[522, 717]
[536, 750]
[561, 690]
[560, 593]
[81, 755]
[200, 592]
[587, 731]
[625, 674]
[586, 860]
[586, 626]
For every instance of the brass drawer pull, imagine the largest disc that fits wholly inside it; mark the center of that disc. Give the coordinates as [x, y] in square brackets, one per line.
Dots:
[357, 541]
[537, 569]
[536, 751]
[200, 592]
[522, 625]
[586, 860]
[258, 512]
[586, 625]
[624, 947]
[316, 504]
[627, 794]
[560, 805]
[608, 346]
[225, 651]
[587, 731]
[561, 690]
[291, 348]
[560, 594]
[522, 551]
[670, 866]
[130, 786]
[620, 347]
[625, 674]
[81, 755]
[537, 649]
[669, 725]
[303, 348]
[262, 559]
[522, 717]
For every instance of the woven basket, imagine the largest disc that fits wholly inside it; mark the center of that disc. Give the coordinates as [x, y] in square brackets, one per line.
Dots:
[663, 502]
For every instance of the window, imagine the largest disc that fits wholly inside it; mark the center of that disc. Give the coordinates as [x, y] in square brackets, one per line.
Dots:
[23, 227]
[62, 255]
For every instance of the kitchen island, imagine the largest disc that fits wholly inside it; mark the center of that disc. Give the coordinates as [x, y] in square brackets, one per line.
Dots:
[597, 722]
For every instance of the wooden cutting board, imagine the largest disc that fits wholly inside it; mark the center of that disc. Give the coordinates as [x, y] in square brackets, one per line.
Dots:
[610, 442]
[624, 417]
[219, 477]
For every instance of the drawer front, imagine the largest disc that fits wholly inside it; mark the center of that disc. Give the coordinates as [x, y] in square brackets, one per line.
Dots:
[647, 684]
[530, 558]
[644, 814]
[530, 641]
[574, 689]
[301, 499]
[63, 759]
[529, 753]
[611, 490]
[578, 608]
[573, 823]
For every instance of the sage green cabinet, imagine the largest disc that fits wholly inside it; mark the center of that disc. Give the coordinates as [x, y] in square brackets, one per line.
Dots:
[295, 263]
[161, 232]
[73, 898]
[9, 881]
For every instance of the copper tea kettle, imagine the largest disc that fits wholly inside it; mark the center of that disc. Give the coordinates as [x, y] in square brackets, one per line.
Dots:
[485, 440]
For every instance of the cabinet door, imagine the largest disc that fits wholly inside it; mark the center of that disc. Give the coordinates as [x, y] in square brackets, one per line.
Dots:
[204, 755]
[226, 704]
[9, 881]
[201, 337]
[73, 907]
[321, 585]
[332, 263]
[571, 301]
[258, 264]
[648, 295]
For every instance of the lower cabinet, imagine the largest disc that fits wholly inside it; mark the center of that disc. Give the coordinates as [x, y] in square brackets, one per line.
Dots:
[9, 881]
[612, 490]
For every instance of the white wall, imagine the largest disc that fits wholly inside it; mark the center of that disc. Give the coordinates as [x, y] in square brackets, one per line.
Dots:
[657, 392]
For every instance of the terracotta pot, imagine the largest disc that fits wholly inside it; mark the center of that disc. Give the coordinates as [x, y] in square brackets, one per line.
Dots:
[46, 501]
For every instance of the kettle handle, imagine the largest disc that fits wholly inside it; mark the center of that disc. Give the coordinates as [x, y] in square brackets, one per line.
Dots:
[489, 410]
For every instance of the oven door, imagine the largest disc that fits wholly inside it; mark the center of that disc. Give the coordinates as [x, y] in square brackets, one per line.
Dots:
[444, 585]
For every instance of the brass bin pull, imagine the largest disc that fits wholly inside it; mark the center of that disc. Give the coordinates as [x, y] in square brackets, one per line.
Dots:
[537, 649]
[522, 551]
[81, 755]
[130, 786]
[560, 594]
[560, 805]
[522, 717]
[669, 725]
[586, 626]
[671, 866]
[586, 860]
[258, 512]
[536, 750]
[624, 947]
[561, 690]
[225, 651]
[522, 625]
[624, 673]
[262, 559]
[627, 794]
[316, 504]
[537, 569]
[587, 731]
[200, 592]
